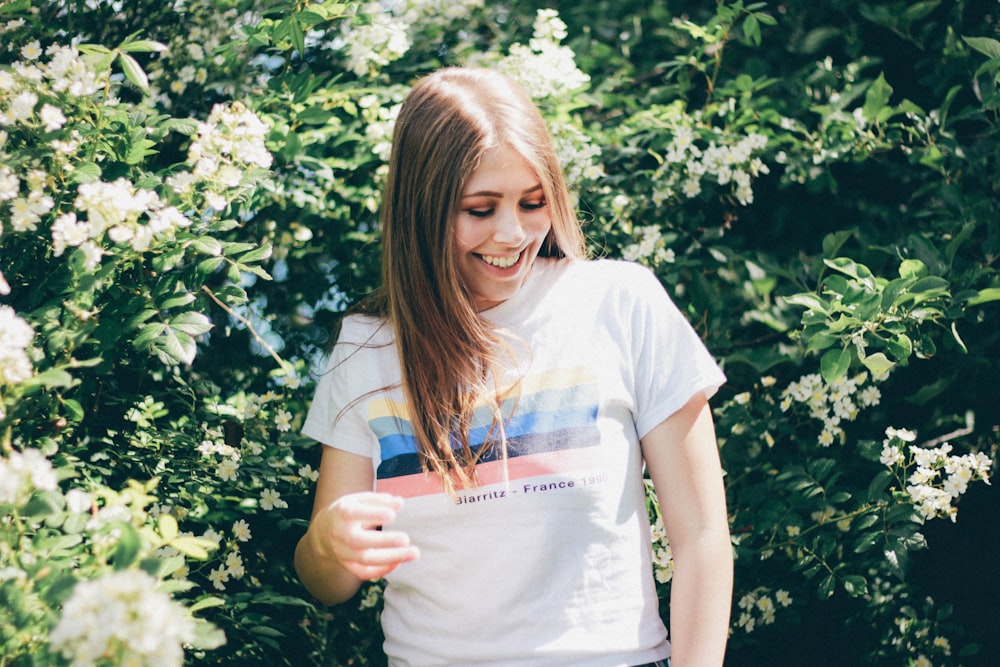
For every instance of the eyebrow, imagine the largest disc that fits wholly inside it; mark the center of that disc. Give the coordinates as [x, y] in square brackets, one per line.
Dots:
[491, 193]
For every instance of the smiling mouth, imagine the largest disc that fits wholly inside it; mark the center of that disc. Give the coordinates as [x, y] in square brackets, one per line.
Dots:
[501, 262]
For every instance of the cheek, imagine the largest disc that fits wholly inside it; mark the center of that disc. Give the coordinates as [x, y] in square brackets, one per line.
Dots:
[466, 237]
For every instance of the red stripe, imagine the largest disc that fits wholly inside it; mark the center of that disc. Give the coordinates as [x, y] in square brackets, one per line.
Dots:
[522, 467]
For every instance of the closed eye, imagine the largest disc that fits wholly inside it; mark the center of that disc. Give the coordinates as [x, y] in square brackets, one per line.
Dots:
[534, 205]
[480, 212]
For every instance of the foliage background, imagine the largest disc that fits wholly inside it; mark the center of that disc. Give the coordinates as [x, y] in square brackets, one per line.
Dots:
[836, 224]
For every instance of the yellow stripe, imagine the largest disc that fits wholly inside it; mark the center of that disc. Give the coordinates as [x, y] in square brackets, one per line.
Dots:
[556, 378]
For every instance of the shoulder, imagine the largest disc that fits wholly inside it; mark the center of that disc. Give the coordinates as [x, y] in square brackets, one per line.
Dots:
[359, 329]
[612, 278]
[361, 343]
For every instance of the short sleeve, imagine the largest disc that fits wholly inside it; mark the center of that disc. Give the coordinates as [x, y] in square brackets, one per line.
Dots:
[351, 374]
[671, 363]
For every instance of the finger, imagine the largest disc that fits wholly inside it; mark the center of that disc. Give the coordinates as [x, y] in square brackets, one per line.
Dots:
[369, 509]
[376, 563]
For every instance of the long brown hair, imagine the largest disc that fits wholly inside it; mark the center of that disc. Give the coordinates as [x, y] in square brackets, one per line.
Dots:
[447, 350]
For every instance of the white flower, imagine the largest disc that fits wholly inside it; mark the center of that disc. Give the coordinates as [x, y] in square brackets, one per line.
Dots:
[31, 50]
[226, 470]
[52, 117]
[283, 421]
[78, 501]
[122, 614]
[21, 473]
[10, 185]
[234, 564]
[891, 455]
[270, 499]
[219, 576]
[241, 531]
[307, 472]
[15, 337]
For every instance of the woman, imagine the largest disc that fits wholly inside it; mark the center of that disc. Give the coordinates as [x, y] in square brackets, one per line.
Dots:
[488, 414]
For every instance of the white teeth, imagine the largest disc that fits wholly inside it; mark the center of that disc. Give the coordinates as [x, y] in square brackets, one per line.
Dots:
[502, 262]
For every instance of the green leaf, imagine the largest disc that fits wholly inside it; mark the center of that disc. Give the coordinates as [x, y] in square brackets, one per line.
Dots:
[912, 268]
[901, 347]
[207, 245]
[176, 300]
[833, 242]
[41, 505]
[14, 7]
[877, 363]
[53, 377]
[261, 253]
[134, 72]
[207, 266]
[835, 364]
[988, 46]
[876, 98]
[207, 636]
[826, 586]
[930, 284]
[852, 269]
[855, 585]
[207, 602]
[143, 46]
[807, 300]
[191, 322]
[176, 346]
[821, 341]
[127, 549]
[194, 547]
[167, 525]
[751, 28]
[985, 296]
[86, 172]
[162, 567]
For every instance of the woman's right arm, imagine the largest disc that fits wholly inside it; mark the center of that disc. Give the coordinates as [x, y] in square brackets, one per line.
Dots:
[344, 544]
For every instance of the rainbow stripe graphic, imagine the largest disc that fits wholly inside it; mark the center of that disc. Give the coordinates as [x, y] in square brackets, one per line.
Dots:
[554, 420]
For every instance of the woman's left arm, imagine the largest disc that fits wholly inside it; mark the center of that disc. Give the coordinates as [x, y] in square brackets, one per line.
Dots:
[682, 457]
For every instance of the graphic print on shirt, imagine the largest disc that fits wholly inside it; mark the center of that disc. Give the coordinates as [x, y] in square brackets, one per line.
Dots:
[554, 423]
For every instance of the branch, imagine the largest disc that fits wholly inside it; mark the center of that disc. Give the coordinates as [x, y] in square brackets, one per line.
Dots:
[263, 343]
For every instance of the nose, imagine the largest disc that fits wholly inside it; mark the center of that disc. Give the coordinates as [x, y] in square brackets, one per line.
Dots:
[508, 229]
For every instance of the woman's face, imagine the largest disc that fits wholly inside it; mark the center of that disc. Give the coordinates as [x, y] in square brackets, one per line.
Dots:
[502, 221]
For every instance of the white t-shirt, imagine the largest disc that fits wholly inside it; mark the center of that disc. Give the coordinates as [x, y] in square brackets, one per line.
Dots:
[548, 561]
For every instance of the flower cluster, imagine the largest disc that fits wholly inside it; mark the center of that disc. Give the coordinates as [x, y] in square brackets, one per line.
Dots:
[760, 606]
[663, 555]
[47, 99]
[233, 566]
[938, 477]
[545, 68]
[697, 151]
[22, 473]
[650, 247]
[114, 208]
[577, 154]
[15, 337]
[373, 44]
[833, 403]
[229, 143]
[379, 122]
[193, 57]
[121, 619]
[441, 11]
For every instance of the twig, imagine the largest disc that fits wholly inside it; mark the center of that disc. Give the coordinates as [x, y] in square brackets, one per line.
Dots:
[970, 425]
[263, 343]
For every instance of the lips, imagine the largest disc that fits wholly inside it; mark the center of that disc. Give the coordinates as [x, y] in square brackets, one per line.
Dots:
[501, 262]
